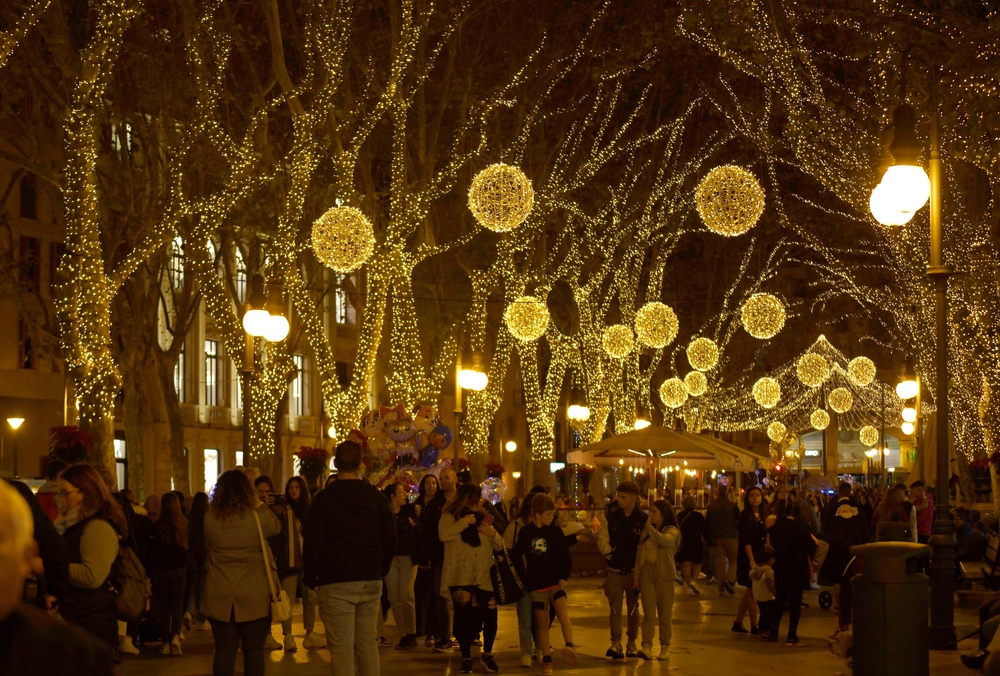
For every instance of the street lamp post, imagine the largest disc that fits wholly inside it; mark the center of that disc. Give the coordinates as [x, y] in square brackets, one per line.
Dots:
[905, 189]
[15, 424]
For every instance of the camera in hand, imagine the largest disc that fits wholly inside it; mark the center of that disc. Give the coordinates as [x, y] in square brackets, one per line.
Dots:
[280, 499]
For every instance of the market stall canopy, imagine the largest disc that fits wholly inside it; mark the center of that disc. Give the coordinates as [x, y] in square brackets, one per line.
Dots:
[658, 445]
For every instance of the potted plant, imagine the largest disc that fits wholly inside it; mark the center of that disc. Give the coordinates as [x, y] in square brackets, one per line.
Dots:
[495, 469]
[69, 443]
[312, 465]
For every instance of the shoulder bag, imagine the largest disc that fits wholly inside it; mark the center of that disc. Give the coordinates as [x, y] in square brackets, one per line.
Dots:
[281, 606]
[508, 583]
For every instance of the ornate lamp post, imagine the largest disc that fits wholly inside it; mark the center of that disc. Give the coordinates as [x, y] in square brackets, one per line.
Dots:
[904, 189]
[265, 318]
[15, 423]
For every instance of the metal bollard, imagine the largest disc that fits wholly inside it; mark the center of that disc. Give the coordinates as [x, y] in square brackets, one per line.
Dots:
[890, 611]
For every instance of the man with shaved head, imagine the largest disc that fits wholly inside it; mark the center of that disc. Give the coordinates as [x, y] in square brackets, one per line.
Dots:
[31, 641]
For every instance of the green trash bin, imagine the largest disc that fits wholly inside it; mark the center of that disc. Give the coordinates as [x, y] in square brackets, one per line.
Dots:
[890, 614]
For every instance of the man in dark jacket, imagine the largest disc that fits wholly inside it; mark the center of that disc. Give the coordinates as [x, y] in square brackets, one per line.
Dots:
[845, 519]
[618, 540]
[723, 515]
[349, 539]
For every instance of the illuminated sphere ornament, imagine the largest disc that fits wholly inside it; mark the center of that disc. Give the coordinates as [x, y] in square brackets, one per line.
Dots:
[776, 431]
[868, 435]
[861, 371]
[819, 419]
[840, 400]
[618, 340]
[656, 324]
[767, 392]
[343, 239]
[696, 383]
[729, 200]
[763, 316]
[703, 354]
[527, 318]
[493, 490]
[673, 393]
[501, 197]
[812, 369]
[907, 428]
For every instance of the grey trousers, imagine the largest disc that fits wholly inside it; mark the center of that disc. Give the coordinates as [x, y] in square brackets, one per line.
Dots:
[615, 585]
[657, 605]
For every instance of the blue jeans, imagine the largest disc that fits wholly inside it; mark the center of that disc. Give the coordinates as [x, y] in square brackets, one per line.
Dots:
[524, 617]
[349, 611]
[227, 640]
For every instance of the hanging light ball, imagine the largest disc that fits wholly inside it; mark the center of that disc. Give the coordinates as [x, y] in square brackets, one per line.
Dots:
[763, 316]
[776, 431]
[767, 392]
[840, 400]
[703, 354]
[868, 435]
[696, 383]
[527, 318]
[656, 324]
[907, 428]
[618, 340]
[501, 197]
[673, 393]
[861, 371]
[729, 200]
[343, 239]
[813, 369]
[819, 419]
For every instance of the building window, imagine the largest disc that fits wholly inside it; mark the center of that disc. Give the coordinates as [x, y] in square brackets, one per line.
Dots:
[56, 251]
[121, 464]
[238, 404]
[299, 386]
[26, 349]
[30, 264]
[177, 262]
[241, 277]
[179, 380]
[211, 468]
[343, 312]
[211, 373]
[29, 197]
[239, 458]
[343, 374]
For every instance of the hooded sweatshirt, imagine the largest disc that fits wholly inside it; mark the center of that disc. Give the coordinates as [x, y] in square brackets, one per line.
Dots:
[349, 535]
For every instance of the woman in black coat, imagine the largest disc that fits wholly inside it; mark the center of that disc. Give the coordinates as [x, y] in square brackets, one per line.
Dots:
[749, 550]
[793, 546]
[694, 527]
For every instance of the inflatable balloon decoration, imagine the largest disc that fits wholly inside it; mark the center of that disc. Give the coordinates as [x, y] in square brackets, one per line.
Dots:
[401, 446]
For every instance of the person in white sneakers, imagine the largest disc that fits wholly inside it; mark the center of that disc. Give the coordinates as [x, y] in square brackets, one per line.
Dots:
[656, 576]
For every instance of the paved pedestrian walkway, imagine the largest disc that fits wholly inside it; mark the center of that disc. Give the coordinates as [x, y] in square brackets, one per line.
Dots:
[703, 645]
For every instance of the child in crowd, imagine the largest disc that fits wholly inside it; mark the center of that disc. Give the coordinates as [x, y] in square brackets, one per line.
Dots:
[543, 547]
[764, 593]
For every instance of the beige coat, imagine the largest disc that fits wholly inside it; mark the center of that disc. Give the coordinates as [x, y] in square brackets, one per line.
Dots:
[236, 579]
[667, 544]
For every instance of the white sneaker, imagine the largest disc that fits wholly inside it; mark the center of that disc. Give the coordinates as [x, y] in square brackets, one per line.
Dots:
[203, 626]
[664, 653]
[175, 647]
[314, 640]
[125, 645]
[271, 644]
[525, 661]
[289, 644]
[165, 650]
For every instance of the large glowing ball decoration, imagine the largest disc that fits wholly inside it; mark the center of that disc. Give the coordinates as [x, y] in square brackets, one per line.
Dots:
[656, 325]
[494, 490]
[501, 197]
[703, 354]
[819, 419]
[763, 316]
[343, 239]
[767, 392]
[527, 318]
[696, 383]
[861, 371]
[729, 200]
[776, 431]
[840, 400]
[673, 393]
[812, 369]
[618, 341]
[868, 435]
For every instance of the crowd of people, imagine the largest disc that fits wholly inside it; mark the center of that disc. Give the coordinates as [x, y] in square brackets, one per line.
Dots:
[353, 553]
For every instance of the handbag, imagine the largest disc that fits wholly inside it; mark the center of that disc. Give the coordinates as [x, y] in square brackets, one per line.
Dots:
[281, 606]
[508, 585]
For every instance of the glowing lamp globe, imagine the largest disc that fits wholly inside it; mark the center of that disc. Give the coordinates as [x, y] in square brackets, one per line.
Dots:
[501, 197]
[909, 414]
[673, 393]
[868, 435]
[641, 423]
[776, 431]
[578, 413]
[510, 446]
[907, 389]
[471, 379]
[256, 322]
[703, 354]
[907, 187]
[767, 392]
[332, 432]
[696, 383]
[907, 428]
[882, 210]
[656, 325]
[819, 419]
[861, 371]
[277, 328]
[343, 239]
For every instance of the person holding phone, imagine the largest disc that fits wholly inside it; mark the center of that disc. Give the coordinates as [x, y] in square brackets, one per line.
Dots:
[469, 538]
